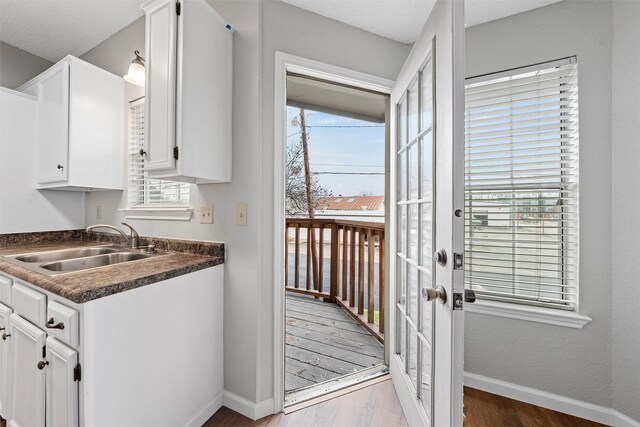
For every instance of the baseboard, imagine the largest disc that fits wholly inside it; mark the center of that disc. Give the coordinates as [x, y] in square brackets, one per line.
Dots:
[204, 413]
[621, 420]
[246, 407]
[545, 399]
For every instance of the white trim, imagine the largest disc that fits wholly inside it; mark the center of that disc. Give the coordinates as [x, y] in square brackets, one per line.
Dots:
[16, 93]
[204, 413]
[285, 62]
[544, 399]
[549, 316]
[160, 213]
[621, 420]
[249, 409]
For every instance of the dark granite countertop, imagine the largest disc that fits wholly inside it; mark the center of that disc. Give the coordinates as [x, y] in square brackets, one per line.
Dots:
[183, 257]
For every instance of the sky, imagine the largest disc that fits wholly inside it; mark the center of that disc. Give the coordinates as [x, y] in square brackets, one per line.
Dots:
[357, 149]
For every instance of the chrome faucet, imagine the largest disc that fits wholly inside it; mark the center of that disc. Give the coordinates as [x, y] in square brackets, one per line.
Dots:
[133, 239]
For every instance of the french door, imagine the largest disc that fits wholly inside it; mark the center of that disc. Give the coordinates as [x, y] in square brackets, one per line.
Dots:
[428, 202]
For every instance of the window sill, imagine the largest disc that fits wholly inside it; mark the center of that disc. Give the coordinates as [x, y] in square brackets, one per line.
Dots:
[532, 314]
[164, 213]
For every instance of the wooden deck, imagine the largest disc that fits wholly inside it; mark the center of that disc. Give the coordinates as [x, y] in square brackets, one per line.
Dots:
[324, 342]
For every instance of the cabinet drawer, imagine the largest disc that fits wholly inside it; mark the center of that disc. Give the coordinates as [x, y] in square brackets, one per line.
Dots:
[5, 290]
[63, 323]
[30, 304]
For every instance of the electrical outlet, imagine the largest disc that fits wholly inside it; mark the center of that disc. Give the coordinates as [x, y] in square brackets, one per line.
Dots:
[98, 212]
[241, 214]
[206, 214]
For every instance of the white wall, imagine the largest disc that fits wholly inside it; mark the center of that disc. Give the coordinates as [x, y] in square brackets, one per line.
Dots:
[22, 207]
[261, 28]
[569, 362]
[626, 205]
[241, 272]
[18, 66]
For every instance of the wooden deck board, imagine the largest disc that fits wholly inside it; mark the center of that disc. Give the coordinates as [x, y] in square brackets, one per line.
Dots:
[324, 342]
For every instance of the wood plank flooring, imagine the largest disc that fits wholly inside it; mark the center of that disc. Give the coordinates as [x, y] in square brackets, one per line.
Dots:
[486, 409]
[378, 405]
[324, 342]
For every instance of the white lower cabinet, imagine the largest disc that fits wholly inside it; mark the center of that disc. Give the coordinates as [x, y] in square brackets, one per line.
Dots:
[26, 380]
[5, 313]
[62, 385]
[106, 362]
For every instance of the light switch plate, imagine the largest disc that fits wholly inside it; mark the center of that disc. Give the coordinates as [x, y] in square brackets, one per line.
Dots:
[206, 214]
[241, 214]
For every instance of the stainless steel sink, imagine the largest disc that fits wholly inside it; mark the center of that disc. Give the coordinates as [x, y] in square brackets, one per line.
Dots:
[63, 261]
[93, 261]
[63, 254]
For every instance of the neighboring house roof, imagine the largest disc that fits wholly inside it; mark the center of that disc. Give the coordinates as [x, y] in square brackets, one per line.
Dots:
[351, 203]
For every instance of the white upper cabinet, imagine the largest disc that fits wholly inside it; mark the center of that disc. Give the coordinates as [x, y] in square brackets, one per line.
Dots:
[80, 127]
[188, 92]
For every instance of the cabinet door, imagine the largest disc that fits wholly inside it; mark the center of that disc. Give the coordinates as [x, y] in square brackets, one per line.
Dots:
[160, 87]
[27, 383]
[5, 313]
[52, 136]
[62, 389]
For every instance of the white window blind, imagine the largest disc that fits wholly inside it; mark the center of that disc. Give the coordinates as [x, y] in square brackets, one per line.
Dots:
[142, 190]
[521, 185]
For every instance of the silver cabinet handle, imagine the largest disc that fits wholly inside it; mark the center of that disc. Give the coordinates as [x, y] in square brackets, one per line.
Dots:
[439, 293]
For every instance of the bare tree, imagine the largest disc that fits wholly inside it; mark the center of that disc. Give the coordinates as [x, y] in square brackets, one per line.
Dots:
[297, 200]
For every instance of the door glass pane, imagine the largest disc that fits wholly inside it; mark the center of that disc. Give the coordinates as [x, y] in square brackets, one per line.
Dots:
[427, 236]
[425, 393]
[412, 225]
[427, 96]
[412, 279]
[413, 172]
[426, 166]
[402, 336]
[401, 273]
[401, 234]
[402, 123]
[402, 176]
[413, 110]
[413, 356]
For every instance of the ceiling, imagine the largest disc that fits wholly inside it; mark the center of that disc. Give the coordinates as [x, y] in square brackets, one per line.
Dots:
[332, 98]
[52, 29]
[402, 20]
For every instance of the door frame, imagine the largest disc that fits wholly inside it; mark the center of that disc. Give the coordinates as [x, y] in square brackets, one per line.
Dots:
[285, 62]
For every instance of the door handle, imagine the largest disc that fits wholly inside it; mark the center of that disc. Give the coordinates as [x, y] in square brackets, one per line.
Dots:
[440, 257]
[42, 364]
[439, 293]
[5, 336]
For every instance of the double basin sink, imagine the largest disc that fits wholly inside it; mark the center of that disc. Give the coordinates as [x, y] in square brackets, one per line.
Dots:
[76, 259]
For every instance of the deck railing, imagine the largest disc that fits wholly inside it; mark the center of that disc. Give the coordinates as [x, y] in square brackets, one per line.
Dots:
[327, 258]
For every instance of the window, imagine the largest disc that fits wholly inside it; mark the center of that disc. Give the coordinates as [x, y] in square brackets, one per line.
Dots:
[144, 192]
[521, 185]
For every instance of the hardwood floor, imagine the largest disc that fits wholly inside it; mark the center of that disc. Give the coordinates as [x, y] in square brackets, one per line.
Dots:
[324, 342]
[378, 405]
[487, 410]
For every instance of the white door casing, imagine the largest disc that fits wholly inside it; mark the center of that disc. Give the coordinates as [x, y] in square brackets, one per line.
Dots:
[427, 181]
